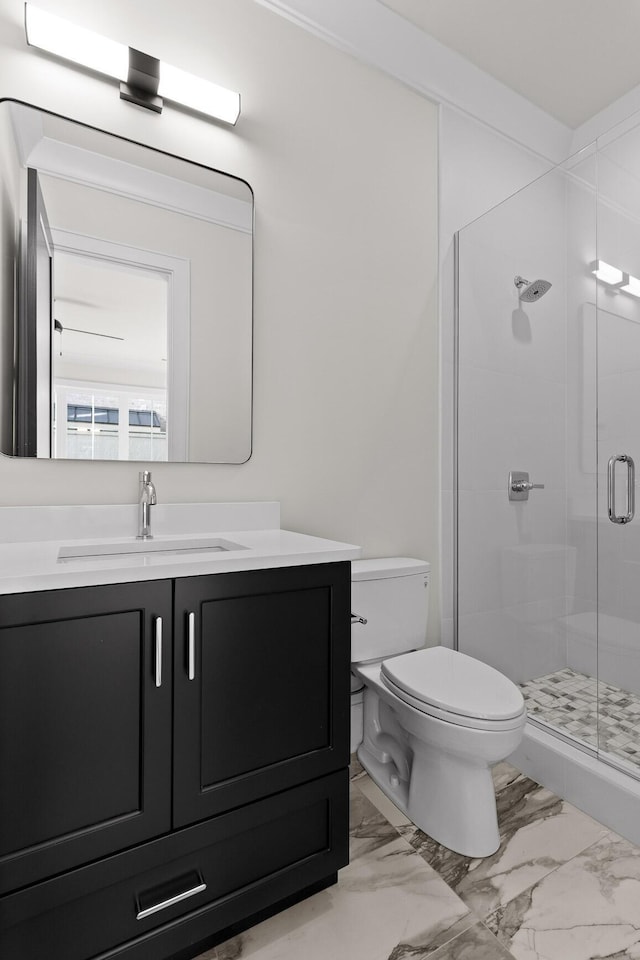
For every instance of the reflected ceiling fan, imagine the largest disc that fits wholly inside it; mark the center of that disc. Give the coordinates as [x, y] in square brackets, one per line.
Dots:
[57, 326]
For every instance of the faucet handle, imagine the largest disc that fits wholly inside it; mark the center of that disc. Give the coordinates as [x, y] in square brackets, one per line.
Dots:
[145, 476]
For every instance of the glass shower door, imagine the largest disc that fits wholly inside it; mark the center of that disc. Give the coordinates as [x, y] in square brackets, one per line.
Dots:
[618, 447]
[526, 401]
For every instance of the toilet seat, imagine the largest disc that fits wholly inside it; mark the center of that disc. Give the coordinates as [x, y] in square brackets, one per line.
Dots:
[452, 686]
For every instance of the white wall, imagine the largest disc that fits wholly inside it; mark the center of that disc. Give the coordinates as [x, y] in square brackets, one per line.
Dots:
[343, 164]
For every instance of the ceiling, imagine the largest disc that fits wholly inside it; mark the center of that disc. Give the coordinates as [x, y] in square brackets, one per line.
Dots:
[572, 58]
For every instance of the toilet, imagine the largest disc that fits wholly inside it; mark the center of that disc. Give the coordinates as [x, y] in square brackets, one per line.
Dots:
[434, 720]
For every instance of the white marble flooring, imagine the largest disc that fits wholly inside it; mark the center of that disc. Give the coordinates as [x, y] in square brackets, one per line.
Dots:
[560, 887]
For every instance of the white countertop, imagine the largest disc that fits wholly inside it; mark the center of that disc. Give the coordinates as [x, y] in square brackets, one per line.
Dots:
[32, 564]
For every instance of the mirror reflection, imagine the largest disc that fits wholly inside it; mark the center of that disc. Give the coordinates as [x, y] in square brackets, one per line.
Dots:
[125, 298]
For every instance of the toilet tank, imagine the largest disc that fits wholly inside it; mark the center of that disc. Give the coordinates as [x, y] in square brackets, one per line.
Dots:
[392, 595]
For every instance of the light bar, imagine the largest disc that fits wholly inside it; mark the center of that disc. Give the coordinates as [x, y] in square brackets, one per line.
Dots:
[632, 286]
[606, 273]
[199, 95]
[85, 47]
[144, 79]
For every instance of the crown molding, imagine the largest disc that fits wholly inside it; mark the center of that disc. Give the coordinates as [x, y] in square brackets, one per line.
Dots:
[378, 36]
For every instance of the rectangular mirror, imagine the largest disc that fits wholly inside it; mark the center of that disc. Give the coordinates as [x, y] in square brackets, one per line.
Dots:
[126, 279]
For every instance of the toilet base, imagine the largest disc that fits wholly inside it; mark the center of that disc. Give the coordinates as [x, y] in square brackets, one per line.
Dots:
[452, 800]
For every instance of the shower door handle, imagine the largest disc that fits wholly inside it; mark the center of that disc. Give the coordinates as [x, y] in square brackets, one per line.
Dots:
[631, 488]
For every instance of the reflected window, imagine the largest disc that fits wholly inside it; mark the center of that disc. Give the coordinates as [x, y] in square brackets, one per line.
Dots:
[89, 425]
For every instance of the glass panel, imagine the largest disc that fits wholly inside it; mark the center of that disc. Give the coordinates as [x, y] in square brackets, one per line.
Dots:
[618, 342]
[526, 403]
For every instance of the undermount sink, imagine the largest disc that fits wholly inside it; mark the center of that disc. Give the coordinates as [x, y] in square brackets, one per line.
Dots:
[130, 548]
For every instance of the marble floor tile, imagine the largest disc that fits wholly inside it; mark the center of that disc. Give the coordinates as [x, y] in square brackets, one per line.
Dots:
[382, 803]
[589, 908]
[387, 903]
[538, 832]
[368, 828]
[355, 767]
[475, 943]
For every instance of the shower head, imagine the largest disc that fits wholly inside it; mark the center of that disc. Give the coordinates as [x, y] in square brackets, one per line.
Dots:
[533, 291]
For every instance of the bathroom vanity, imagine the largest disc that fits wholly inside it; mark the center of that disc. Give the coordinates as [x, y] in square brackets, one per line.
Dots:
[173, 737]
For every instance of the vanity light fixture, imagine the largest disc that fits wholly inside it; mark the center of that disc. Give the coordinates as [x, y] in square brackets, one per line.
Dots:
[606, 273]
[632, 286]
[143, 79]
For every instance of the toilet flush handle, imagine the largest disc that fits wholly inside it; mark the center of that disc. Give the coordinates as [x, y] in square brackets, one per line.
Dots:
[356, 619]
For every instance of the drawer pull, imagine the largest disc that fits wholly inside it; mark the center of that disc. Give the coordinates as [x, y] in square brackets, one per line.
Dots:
[192, 647]
[164, 904]
[158, 651]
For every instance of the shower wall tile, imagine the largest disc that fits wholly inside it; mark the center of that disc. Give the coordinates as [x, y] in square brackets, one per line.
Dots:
[478, 169]
[582, 534]
[582, 651]
[617, 645]
[521, 651]
[489, 526]
[507, 423]
[525, 236]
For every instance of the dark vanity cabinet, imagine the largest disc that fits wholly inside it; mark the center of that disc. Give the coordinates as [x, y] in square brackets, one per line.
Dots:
[261, 680]
[173, 759]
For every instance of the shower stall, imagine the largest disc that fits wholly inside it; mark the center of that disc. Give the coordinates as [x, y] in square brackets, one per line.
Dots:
[547, 434]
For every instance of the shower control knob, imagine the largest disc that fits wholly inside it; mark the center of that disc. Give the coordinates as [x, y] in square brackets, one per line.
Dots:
[520, 485]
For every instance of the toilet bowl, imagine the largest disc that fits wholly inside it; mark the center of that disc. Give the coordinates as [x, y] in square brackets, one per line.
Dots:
[435, 720]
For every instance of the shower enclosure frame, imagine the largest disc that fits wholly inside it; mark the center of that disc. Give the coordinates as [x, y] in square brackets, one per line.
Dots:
[574, 770]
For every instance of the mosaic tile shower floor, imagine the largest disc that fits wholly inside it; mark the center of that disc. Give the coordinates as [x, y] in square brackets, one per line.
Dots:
[587, 709]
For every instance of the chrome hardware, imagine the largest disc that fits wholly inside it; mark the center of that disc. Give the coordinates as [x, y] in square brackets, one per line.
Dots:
[158, 651]
[170, 902]
[356, 619]
[631, 488]
[520, 485]
[191, 643]
[147, 498]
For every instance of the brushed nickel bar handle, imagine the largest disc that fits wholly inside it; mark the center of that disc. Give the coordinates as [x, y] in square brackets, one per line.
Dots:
[611, 490]
[158, 629]
[631, 488]
[191, 654]
[171, 901]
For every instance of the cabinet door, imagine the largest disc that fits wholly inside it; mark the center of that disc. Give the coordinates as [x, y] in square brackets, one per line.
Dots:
[261, 684]
[85, 725]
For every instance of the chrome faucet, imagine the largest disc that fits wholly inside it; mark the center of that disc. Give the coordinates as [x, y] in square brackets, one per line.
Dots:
[146, 501]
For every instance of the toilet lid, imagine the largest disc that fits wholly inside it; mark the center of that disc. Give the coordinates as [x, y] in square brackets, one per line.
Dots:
[452, 681]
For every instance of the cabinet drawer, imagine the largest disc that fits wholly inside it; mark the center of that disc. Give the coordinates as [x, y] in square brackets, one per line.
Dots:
[163, 895]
